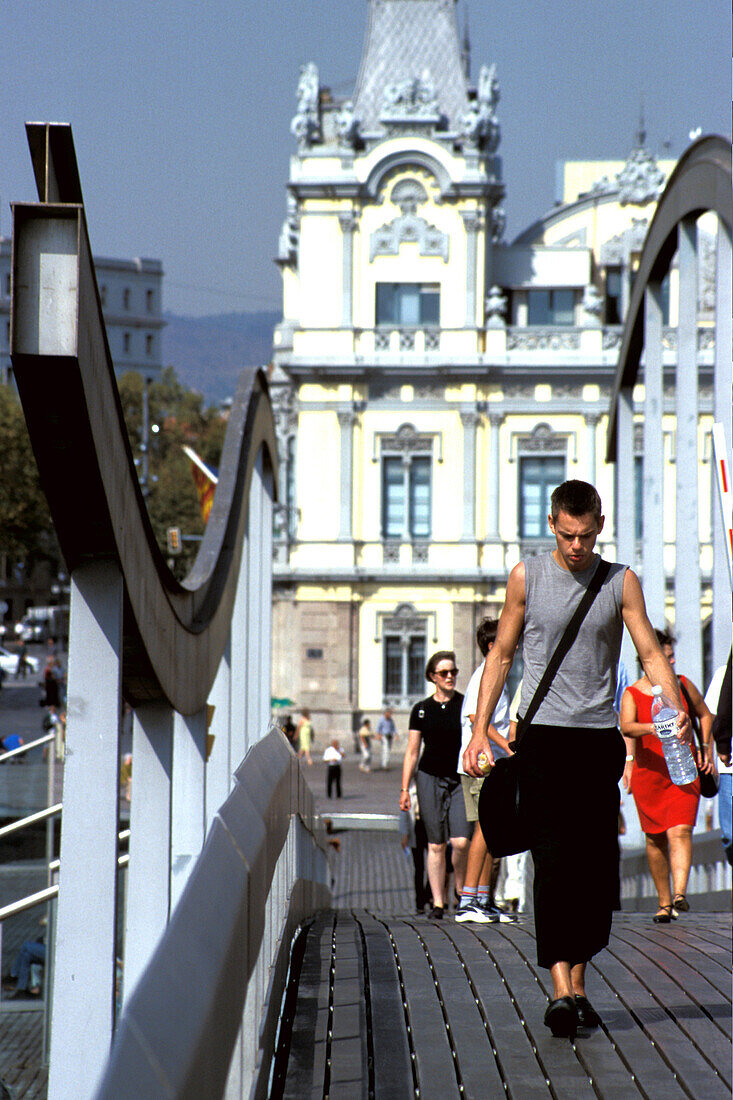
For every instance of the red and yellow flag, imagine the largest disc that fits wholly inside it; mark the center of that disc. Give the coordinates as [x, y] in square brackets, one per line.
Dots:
[205, 481]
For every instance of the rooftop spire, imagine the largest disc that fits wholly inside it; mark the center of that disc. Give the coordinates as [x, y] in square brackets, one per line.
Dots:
[466, 44]
[411, 42]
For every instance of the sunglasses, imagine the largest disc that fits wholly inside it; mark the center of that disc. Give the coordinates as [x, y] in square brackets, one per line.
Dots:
[446, 672]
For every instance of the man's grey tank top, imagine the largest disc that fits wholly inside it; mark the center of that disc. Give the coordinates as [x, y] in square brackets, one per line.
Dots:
[584, 687]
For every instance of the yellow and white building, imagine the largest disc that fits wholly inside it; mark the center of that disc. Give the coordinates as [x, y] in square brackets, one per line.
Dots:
[432, 382]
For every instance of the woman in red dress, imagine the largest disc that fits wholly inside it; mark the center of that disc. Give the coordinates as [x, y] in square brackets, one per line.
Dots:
[667, 813]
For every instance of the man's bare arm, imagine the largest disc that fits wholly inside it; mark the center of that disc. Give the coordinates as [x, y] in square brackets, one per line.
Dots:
[496, 668]
[655, 664]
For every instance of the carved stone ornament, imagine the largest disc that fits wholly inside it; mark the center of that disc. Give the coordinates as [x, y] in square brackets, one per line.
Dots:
[498, 223]
[640, 180]
[543, 440]
[496, 304]
[479, 125]
[407, 440]
[306, 123]
[612, 338]
[287, 251]
[411, 100]
[519, 339]
[431, 241]
[347, 124]
[592, 301]
[408, 194]
[405, 620]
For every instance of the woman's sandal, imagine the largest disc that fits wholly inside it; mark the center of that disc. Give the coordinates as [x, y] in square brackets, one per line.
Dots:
[680, 903]
[665, 915]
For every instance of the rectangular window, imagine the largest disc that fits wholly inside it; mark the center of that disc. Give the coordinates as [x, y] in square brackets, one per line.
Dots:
[614, 306]
[149, 300]
[126, 298]
[392, 666]
[551, 307]
[416, 660]
[413, 305]
[404, 666]
[126, 342]
[420, 497]
[393, 498]
[537, 478]
[148, 344]
[406, 497]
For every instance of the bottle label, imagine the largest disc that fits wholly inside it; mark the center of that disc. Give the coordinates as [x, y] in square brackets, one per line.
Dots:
[665, 723]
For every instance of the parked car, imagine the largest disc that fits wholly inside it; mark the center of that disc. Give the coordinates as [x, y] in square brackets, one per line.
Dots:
[9, 662]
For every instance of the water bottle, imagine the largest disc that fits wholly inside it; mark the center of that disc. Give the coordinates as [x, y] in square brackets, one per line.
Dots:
[678, 758]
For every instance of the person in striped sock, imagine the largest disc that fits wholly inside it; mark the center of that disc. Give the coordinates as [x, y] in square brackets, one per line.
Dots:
[477, 901]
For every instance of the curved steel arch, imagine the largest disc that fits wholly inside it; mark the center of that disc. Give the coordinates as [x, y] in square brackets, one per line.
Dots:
[700, 183]
[174, 633]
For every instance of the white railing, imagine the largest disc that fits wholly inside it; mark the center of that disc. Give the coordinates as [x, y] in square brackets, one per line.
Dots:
[202, 1019]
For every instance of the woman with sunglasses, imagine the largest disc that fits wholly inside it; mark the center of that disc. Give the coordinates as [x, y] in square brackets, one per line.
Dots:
[436, 723]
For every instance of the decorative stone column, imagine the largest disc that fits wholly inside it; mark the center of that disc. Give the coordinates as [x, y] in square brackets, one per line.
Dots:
[469, 419]
[496, 420]
[687, 558]
[591, 422]
[348, 222]
[347, 418]
[472, 222]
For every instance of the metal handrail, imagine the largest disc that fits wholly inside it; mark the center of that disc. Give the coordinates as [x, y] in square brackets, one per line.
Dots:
[49, 892]
[21, 823]
[26, 748]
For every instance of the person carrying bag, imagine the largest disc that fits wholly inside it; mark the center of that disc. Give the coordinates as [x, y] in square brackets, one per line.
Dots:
[506, 829]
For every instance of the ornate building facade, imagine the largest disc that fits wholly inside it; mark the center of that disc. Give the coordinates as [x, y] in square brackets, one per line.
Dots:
[432, 382]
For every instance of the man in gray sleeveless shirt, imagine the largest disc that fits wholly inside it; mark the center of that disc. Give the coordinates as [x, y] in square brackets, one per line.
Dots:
[571, 757]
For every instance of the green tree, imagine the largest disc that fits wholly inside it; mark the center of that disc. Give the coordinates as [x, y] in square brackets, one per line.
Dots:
[180, 418]
[26, 529]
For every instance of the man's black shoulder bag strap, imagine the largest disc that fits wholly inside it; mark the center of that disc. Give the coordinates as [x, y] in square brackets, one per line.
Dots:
[563, 646]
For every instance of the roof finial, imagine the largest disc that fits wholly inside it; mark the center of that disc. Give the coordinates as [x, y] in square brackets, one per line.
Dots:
[641, 132]
[466, 44]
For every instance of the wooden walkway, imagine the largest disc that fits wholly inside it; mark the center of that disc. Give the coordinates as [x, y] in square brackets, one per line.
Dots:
[395, 1006]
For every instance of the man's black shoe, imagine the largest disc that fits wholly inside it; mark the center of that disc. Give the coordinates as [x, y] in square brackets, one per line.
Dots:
[562, 1017]
[587, 1015]
[436, 913]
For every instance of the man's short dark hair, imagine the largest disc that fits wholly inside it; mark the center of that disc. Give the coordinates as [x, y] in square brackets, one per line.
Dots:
[486, 634]
[576, 498]
[441, 655]
[665, 637]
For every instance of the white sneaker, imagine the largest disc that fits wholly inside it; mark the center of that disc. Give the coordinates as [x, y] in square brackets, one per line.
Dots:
[500, 915]
[475, 914]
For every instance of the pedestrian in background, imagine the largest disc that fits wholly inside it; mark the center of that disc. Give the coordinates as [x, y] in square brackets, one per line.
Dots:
[386, 731]
[333, 756]
[435, 727]
[667, 813]
[304, 732]
[365, 745]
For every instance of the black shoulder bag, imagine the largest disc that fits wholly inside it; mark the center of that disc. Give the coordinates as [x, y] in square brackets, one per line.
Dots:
[505, 831]
[709, 781]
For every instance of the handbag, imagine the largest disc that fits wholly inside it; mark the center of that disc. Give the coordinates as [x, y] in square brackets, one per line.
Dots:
[506, 829]
[709, 781]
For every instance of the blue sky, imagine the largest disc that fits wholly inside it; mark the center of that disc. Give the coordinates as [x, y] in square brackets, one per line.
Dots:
[181, 111]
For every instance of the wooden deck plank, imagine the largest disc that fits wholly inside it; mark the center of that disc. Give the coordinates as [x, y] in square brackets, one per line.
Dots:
[433, 1056]
[477, 1064]
[715, 1006]
[393, 1078]
[348, 1077]
[694, 1073]
[306, 1066]
[557, 1056]
[520, 1069]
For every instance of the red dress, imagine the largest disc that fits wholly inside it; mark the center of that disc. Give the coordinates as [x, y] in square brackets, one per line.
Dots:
[660, 803]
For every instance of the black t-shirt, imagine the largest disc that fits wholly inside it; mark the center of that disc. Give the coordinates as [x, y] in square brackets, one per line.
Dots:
[440, 726]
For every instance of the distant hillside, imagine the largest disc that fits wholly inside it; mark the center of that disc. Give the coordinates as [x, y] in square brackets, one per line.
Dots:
[209, 352]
